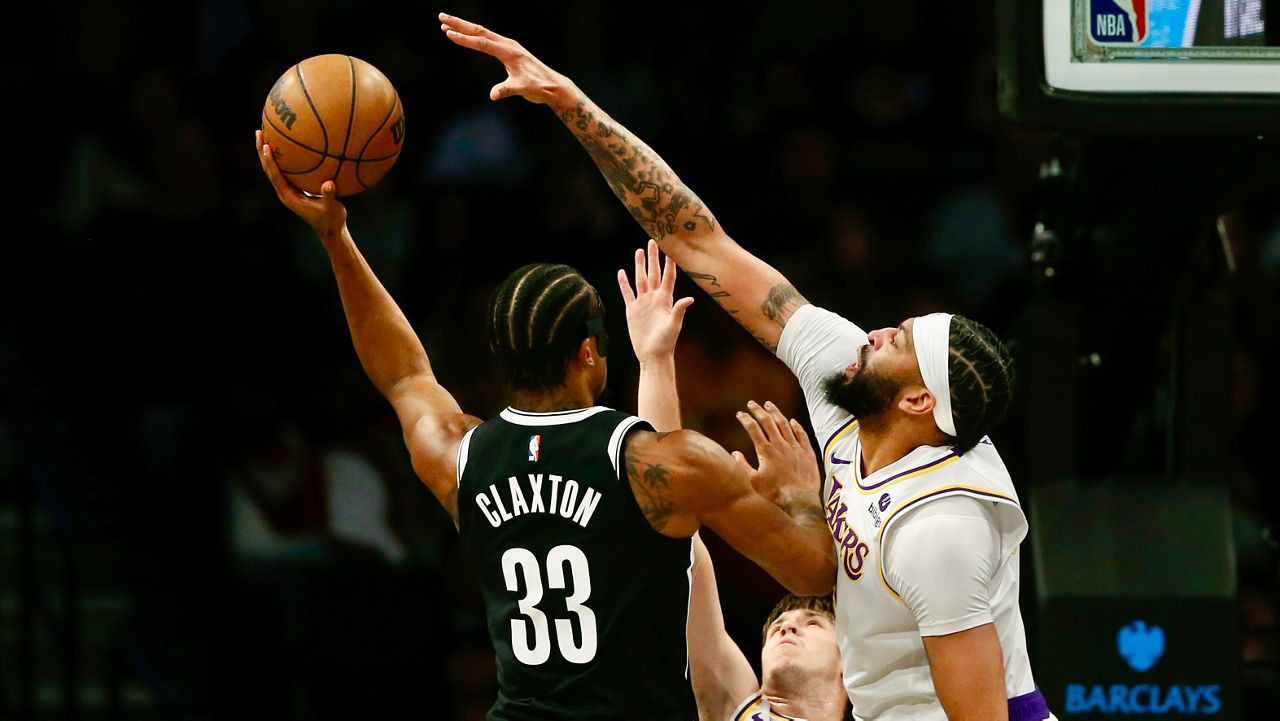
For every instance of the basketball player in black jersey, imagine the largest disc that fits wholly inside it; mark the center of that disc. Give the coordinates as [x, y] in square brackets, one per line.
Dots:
[577, 518]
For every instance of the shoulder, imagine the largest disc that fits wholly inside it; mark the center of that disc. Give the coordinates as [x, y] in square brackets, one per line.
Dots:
[952, 506]
[684, 446]
[810, 323]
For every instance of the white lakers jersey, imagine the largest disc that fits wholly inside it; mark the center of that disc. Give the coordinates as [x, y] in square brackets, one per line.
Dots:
[886, 671]
[756, 708]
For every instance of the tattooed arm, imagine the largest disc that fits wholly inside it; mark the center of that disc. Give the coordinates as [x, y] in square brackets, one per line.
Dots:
[683, 480]
[752, 291]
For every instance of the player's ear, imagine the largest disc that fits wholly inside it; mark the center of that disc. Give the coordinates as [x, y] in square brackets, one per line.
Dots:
[586, 354]
[914, 399]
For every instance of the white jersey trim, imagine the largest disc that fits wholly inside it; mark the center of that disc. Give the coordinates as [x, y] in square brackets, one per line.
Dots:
[615, 444]
[744, 706]
[555, 418]
[464, 446]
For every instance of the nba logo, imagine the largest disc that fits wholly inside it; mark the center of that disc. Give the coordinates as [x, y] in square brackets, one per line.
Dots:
[535, 448]
[1118, 21]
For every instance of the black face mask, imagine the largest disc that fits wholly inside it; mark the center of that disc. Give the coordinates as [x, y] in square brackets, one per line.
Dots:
[595, 327]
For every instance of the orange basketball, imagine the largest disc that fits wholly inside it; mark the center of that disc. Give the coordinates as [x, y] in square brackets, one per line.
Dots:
[333, 117]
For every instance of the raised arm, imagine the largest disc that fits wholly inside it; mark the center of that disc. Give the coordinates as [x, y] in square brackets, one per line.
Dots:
[653, 321]
[752, 291]
[721, 674]
[389, 350]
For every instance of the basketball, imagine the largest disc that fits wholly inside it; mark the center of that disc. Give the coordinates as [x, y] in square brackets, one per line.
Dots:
[333, 117]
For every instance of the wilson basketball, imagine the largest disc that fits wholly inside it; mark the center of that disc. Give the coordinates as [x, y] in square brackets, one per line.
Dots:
[333, 117]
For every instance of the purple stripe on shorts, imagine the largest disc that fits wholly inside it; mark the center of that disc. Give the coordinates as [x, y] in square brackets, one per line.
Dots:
[1028, 707]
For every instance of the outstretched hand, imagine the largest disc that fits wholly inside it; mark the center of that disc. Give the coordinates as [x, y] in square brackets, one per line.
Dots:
[788, 466]
[326, 214]
[653, 320]
[527, 76]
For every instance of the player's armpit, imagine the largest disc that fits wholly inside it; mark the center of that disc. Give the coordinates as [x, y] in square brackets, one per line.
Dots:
[433, 425]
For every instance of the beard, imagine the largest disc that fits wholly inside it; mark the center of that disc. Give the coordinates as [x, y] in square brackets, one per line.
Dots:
[865, 395]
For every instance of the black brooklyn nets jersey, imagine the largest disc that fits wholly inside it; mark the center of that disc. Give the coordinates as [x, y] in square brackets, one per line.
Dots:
[586, 603]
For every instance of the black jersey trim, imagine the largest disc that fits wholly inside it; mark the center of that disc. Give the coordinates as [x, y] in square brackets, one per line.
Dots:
[555, 418]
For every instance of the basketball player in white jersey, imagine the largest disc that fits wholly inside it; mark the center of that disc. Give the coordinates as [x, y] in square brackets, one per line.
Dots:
[800, 660]
[921, 508]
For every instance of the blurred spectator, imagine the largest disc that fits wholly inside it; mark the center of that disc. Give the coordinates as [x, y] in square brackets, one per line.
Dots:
[293, 502]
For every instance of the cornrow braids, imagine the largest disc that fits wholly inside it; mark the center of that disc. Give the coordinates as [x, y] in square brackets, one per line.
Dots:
[536, 319]
[980, 372]
[824, 605]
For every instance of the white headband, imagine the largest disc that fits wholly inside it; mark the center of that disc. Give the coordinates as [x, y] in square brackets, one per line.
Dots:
[932, 337]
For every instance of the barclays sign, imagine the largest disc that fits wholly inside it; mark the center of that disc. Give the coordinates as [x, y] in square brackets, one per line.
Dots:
[1141, 646]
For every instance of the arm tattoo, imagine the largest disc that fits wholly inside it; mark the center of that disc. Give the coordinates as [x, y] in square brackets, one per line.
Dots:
[644, 183]
[782, 301]
[708, 282]
[711, 285]
[649, 485]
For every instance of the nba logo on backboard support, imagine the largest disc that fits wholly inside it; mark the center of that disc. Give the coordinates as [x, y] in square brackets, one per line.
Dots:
[1118, 22]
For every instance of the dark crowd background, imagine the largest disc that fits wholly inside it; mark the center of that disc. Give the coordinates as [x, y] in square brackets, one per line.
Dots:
[211, 506]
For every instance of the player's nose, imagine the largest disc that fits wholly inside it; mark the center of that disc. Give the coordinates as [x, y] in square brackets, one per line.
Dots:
[878, 338]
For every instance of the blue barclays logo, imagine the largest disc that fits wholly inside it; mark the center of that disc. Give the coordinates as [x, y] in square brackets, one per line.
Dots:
[1143, 698]
[1141, 646]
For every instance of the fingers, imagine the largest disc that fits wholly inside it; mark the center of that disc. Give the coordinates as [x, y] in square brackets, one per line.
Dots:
[769, 422]
[642, 273]
[449, 22]
[668, 276]
[753, 430]
[473, 36]
[628, 297]
[742, 460]
[474, 42]
[802, 438]
[679, 309]
[268, 161]
[655, 276]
